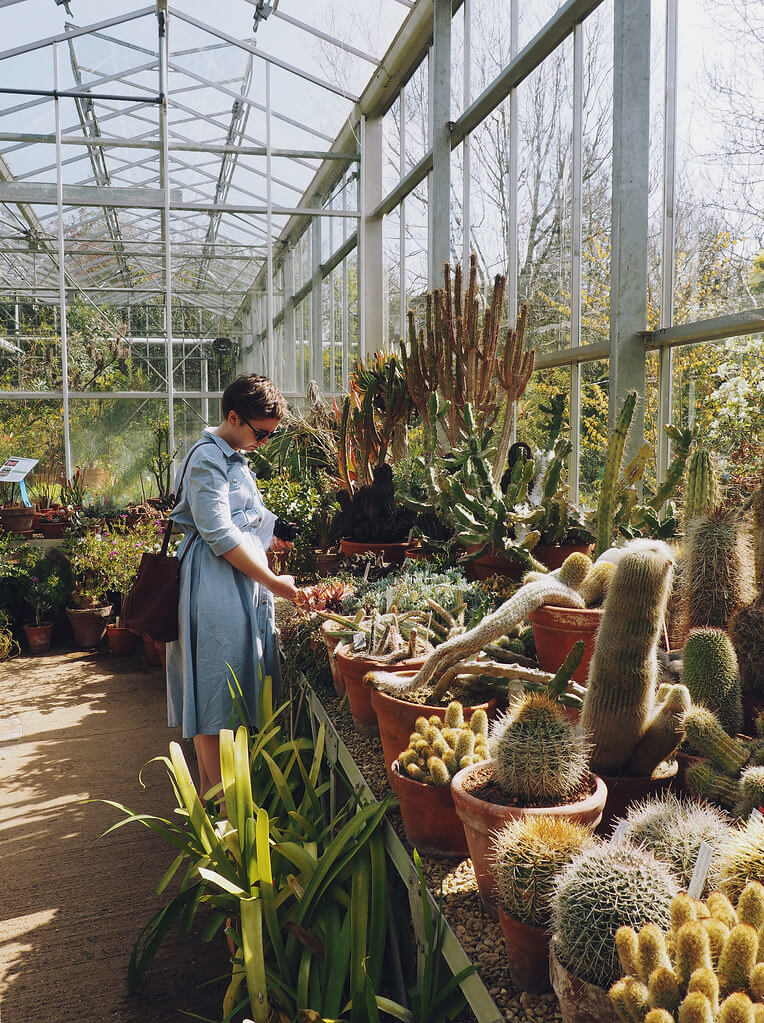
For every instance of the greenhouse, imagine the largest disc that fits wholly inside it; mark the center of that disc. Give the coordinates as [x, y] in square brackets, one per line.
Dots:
[382, 511]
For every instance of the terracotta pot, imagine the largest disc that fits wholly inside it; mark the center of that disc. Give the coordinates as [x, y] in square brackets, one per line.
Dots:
[88, 625]
[580, 1002]
[481, 819]
[17, 520]
[161, 649]
[326, 561]
[553, 554]
[429, 817]
[121, 641]
[527, 954]
[396, 722]
[622, 790]
[332, 641]
[489, 564]
[353, 670]
[52, 530]
[38, 638]
[394, 553]
[151, 652]
[556, 629]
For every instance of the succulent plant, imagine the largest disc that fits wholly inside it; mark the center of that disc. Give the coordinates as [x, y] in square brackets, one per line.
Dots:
[710, 672]
[746, 630]
[538, 755]
[704, 735]
[673, 829]
[741, 857]
[439, 748]
[700, 494]
[757, 504]
[710, 955]
[528, 855]
[597, 582]
[631, 732]
[606, 508]
[603, 889]
[717, 578]
[751, 791]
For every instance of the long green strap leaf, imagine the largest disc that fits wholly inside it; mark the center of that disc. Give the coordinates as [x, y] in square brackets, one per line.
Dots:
[254, 962]
[228, 777]
[199, 819]
[378, 911]
[359, 915]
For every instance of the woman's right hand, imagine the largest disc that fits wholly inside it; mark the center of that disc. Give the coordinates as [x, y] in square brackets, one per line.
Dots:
[285, 587]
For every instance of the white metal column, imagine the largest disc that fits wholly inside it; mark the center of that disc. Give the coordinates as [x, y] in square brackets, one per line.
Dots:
[316, 302]
[370, 249]
[164, 174]
[402, 219]
[271, 360]
[665, 357]
[467, 143]
[514, 132]
[290, 337]
[61, 276]
[630, 186]
[440, 106]
[575, 268]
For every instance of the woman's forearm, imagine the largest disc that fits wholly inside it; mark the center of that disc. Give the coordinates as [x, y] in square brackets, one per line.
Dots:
[241, 559]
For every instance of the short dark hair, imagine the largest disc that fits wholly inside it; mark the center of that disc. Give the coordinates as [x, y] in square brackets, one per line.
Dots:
[254, 397]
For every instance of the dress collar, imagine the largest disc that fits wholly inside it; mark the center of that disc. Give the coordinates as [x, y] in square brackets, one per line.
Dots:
[224, 446]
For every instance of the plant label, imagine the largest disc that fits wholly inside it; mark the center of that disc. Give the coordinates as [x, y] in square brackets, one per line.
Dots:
[389, 597]
[359, 640]
[700, 873]
[366, 572]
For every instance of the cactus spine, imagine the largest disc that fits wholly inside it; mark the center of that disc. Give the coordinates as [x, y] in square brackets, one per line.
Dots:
[717, 578]
[613, 459]
[746, 630]
[619, 707]
[701, 485]
[710, 672]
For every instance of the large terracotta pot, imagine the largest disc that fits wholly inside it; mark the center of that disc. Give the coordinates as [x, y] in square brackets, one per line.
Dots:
[88, 625]
[17, 519]
[490, 563]
[52, 530]
[38, 638]
[580, 1002]
[353, 670]
[151, 652]
[623, 790]
[393, 553]
[556, 629]
[326, 561]
[481, 819]
[431, 823]
[552, 555]
[396, 720]
[527, 954]
[121, 641]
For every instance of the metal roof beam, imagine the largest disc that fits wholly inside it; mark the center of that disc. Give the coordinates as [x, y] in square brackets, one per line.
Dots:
[61, 37]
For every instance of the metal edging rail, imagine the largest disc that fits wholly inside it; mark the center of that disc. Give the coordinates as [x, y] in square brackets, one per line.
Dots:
[475, 992]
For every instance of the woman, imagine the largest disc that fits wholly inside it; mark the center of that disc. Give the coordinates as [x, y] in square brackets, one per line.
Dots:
[225, 610]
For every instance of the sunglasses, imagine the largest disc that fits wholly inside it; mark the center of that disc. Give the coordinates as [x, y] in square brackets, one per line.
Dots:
[260, 434]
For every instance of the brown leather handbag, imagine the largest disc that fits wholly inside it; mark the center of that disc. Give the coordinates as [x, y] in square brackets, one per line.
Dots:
[151, 608]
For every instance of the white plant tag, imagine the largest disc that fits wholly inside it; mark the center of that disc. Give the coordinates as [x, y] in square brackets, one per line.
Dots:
[366, 572]
[756, 816]
[619, 832]
[700, 873]
[411, 535]
[359, 640]
[389, 597]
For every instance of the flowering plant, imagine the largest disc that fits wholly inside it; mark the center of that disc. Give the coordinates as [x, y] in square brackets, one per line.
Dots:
[44, 593]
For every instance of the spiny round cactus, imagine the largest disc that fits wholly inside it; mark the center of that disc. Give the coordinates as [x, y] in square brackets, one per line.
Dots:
[454, 715]
[710, 672]
[741, 857]
[479, 723]
[538, 756]
[746, 631]
[528, 854]
[603, 889]
[751, 790]
[673, 829]
[575, 569]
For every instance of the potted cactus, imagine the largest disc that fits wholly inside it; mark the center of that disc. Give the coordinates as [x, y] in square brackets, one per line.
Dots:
[539, 765]
[729, 771]
[421, 777]
[528, 855]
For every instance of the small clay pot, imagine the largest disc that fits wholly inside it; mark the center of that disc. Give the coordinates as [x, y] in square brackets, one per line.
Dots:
[431, 823]
[490, 563]
[151, 652]
[332, 641]
[353, 669]
[556, 629]
[88, 625]
[17, 519]
[52, 530]
[481, 819]
[38, 638]
[396, 719]
[552, 555]
[393, 553]
[121, 641]
[527, 954]
[623, 790]
[326, 561]
[580, 1002]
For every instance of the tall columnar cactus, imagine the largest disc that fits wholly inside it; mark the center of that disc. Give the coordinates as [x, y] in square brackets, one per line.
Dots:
[603, 889]
[673, 829]
[528, 855]
[620, 711]
[757, 505]
[717, 577]
[704, 969]
[746, 630]
[700, 497]
[613, 459]
[710, 672]
[538, 756]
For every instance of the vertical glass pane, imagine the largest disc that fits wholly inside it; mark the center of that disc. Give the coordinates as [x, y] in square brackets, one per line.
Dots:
[34, 429]
[594, 428]
[416, 248]
[392, 266]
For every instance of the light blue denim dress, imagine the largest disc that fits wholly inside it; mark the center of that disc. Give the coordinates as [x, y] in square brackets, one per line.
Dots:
[224, 617]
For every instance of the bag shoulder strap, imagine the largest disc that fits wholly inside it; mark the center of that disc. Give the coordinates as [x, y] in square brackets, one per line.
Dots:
[176, 497]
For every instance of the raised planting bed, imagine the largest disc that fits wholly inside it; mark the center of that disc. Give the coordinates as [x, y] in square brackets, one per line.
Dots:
[471, 936]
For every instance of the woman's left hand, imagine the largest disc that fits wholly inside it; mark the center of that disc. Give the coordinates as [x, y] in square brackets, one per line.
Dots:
[280, 546]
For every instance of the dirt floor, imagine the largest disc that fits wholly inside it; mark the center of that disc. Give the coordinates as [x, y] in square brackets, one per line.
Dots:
[76, 727]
